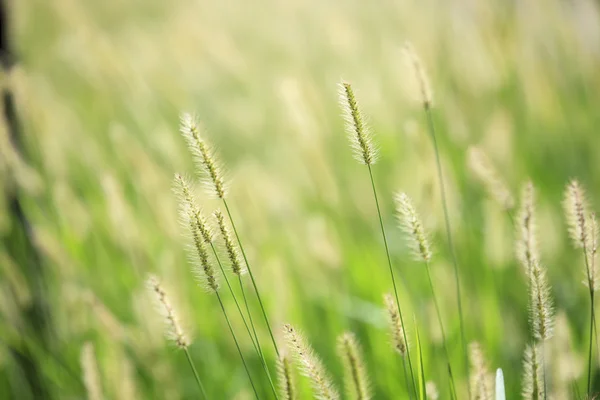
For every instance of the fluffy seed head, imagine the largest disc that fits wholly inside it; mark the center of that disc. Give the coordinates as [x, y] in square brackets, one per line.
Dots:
[355, 374]
[91, 375]
[174, 331]
[431, 391]
[189, 211]
[541, 313]
[285, 375]
[356, 126]
[533, 387]
[419, 73]
[576, 210]
[395, 325]
[310, 364]
[593, 252]
[480, 382]
[486, 173]
[411, 224]
[204, 157]
[234, 258]
[526, 245]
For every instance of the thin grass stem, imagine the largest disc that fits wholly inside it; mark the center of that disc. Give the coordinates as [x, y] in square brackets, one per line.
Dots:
[193, 367]
[387, 252]
[406, 378]
[439, 316]
[262, 308]
[431, 126]
[237, 345]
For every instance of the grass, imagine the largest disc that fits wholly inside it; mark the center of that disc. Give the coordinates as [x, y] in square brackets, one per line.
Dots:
[99, 89]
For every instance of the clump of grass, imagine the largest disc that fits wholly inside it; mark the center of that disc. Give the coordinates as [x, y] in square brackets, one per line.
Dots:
[174, 330]
[209, 167]
[310, 364]
[91, 375]
[583, 229]
[287, 385]
[483, 168]
[417, 239]
[533, 387]
[480, 382]
[356, 380]
[365, 152]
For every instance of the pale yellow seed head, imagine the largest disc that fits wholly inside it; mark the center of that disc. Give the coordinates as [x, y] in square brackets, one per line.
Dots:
[356, 380]
[483, 169]
[411, 224]
[91, 375]
[174, 331]
[420, 74]
[395, 325]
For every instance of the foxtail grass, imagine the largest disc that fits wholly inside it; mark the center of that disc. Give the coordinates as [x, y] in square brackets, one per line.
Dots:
[356, 380]
[492, 181]
[174, 330]
[480, 382]
[427, 102]
[366, 153]
[417, 239]
[310, 365]
[583, 229]
[214, 180]
[533, 387]
[287, 385]
[397, 334]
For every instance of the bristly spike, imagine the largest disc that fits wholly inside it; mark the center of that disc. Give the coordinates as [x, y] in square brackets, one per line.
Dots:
[311, 365]
[189, 212]
[236, 264]
[411, 224]
[356, 380]
[287, 386]
[533, 386]
[91, 375]
[395, 325]
[204, 157]
[174, 330]
[526, 246]
[356, 126]
[481, 381]
[420, 75]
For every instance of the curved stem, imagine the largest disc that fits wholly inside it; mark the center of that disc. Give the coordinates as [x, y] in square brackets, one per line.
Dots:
[251, 276]
[387, 253]
[189, 358]
[237, 345]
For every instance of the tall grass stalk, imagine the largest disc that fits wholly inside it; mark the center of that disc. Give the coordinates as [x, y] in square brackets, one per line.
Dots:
[209, 166]
[583, 229]
[427, 107]
[196, 376]
[418, 241]
[365, 153]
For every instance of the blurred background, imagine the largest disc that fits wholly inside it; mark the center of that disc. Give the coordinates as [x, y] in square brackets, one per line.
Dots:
[87, 209]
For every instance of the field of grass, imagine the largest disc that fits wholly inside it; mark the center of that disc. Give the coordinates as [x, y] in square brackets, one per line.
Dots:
[99, 88]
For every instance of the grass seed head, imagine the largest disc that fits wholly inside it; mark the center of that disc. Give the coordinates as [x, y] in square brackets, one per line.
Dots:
[355, 374]
[285, 376]
[395, 325]
[533, 386]
[189, 212]
[527, 249]
[204, 156]
[356, 126]
[234, 258]
[91, 375]
[174, 331]
[481, 380]
[310, 365]
[411, 224]
[420, 74]
[484, 170]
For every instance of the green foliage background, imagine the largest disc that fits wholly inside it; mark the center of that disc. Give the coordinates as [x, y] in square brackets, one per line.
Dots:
[99, 87]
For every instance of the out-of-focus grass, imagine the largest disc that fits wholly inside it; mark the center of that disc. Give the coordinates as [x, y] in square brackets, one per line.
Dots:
[99, 86]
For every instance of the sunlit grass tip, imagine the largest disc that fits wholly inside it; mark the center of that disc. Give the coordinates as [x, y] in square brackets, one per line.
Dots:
[204, 156]
[395, 325]
[480, 381]
[285, 377]
[91, 375]
[358, 131]
[411, 224]
[419, 73]
[174, 331]
[356, 380]
[310, 365]
[533, 386]
[483, 169]
[237, 267]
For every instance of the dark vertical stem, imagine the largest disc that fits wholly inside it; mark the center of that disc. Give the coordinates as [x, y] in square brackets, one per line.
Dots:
[387, 253]
[262, 308]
